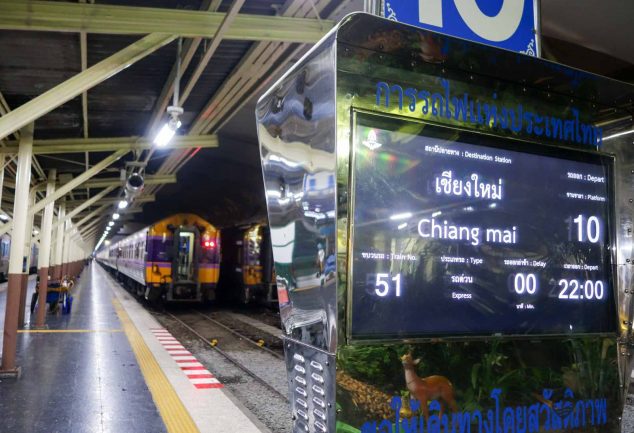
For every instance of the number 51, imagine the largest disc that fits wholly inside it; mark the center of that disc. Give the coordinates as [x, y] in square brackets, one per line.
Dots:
[383, 284]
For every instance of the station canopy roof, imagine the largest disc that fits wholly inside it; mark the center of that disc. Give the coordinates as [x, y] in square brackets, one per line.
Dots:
[124, 53]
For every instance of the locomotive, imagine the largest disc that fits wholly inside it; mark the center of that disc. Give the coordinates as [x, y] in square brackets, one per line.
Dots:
[176, 259]
[247, 273]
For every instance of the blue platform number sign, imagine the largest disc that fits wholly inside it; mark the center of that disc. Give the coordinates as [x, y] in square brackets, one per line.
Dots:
[509, 24]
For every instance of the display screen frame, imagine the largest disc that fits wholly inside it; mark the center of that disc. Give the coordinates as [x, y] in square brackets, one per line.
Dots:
[477, 138]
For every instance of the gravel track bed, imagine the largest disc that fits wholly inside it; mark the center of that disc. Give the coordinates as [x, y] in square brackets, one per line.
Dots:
[266, 315]
[268, 407]
[270, 341]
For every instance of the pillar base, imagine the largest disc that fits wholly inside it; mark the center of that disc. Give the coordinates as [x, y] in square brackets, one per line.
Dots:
[11, 374]
[24, 281]
[9, 344]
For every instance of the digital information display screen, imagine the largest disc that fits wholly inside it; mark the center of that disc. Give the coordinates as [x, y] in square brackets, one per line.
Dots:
[463, 234]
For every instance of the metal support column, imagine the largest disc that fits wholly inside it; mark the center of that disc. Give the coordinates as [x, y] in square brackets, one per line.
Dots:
[20, 209]
[53, 259]
[59, 244]
[65, 249]
[2, 160]
[45, 250]
[28, 248]
[70, 266]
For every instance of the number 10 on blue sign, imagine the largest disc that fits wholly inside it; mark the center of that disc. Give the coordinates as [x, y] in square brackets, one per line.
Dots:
[510, 24]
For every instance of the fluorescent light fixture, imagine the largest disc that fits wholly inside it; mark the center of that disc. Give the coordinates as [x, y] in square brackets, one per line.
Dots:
[618, 134]
[111, 223]
[36, 232]
[123, 204]
[401, 226]
[115, 216]
[167, 132]
[493, 205]
[4, 217]
[108, 229]
[435, 214]
[401, 216]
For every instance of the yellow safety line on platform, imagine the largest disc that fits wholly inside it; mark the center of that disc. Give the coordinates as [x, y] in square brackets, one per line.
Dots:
[176, 418]
[65, 331]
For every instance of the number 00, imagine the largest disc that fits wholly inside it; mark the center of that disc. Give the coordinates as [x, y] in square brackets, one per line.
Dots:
[525, 283]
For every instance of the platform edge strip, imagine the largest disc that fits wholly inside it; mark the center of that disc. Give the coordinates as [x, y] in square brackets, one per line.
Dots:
[201, 378]
[174, 414]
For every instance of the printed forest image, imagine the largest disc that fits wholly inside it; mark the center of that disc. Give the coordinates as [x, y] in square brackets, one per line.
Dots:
[479, 387]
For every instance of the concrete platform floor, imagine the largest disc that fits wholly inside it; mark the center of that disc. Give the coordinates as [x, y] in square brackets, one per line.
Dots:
[82, 378]
[104, 368]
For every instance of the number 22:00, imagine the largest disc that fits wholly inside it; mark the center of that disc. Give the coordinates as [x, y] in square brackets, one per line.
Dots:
[580, 290]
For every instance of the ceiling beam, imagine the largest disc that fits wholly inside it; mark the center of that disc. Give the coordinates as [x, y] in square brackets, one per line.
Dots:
[110, 201]
[200, 67]
[101, 210]
[81, 145]
[94, 224]
[90, 231]
[35, 166]
[129, 20]
[122, 212]
[108, 182]
[83, 50]
[254, 70]
[113, 182]
[190, 46]
[68, 187]
[78, 209]
[229, 19]
[64, 92]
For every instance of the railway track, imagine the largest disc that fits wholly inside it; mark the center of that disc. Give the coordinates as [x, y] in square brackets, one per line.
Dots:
[271, 343]
[239, 349]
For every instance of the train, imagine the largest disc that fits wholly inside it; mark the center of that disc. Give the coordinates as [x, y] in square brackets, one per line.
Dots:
[5, 250]
[247, 273]
[197, 268]
[176, 259]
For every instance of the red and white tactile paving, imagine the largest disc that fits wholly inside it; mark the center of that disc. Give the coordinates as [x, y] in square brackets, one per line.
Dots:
[197, 374]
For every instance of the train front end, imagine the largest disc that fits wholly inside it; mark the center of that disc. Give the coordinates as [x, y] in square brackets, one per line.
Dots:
[183, 259]
[451, 227]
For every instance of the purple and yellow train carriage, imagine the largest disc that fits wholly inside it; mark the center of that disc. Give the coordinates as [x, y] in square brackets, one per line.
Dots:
[175, 259]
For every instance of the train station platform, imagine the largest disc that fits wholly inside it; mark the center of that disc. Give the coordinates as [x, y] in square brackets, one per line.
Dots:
[110, 367]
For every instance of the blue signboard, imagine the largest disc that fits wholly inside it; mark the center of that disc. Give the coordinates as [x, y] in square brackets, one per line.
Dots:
[509, 24]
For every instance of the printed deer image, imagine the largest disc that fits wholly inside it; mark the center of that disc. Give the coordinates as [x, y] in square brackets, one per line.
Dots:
[427, 388]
